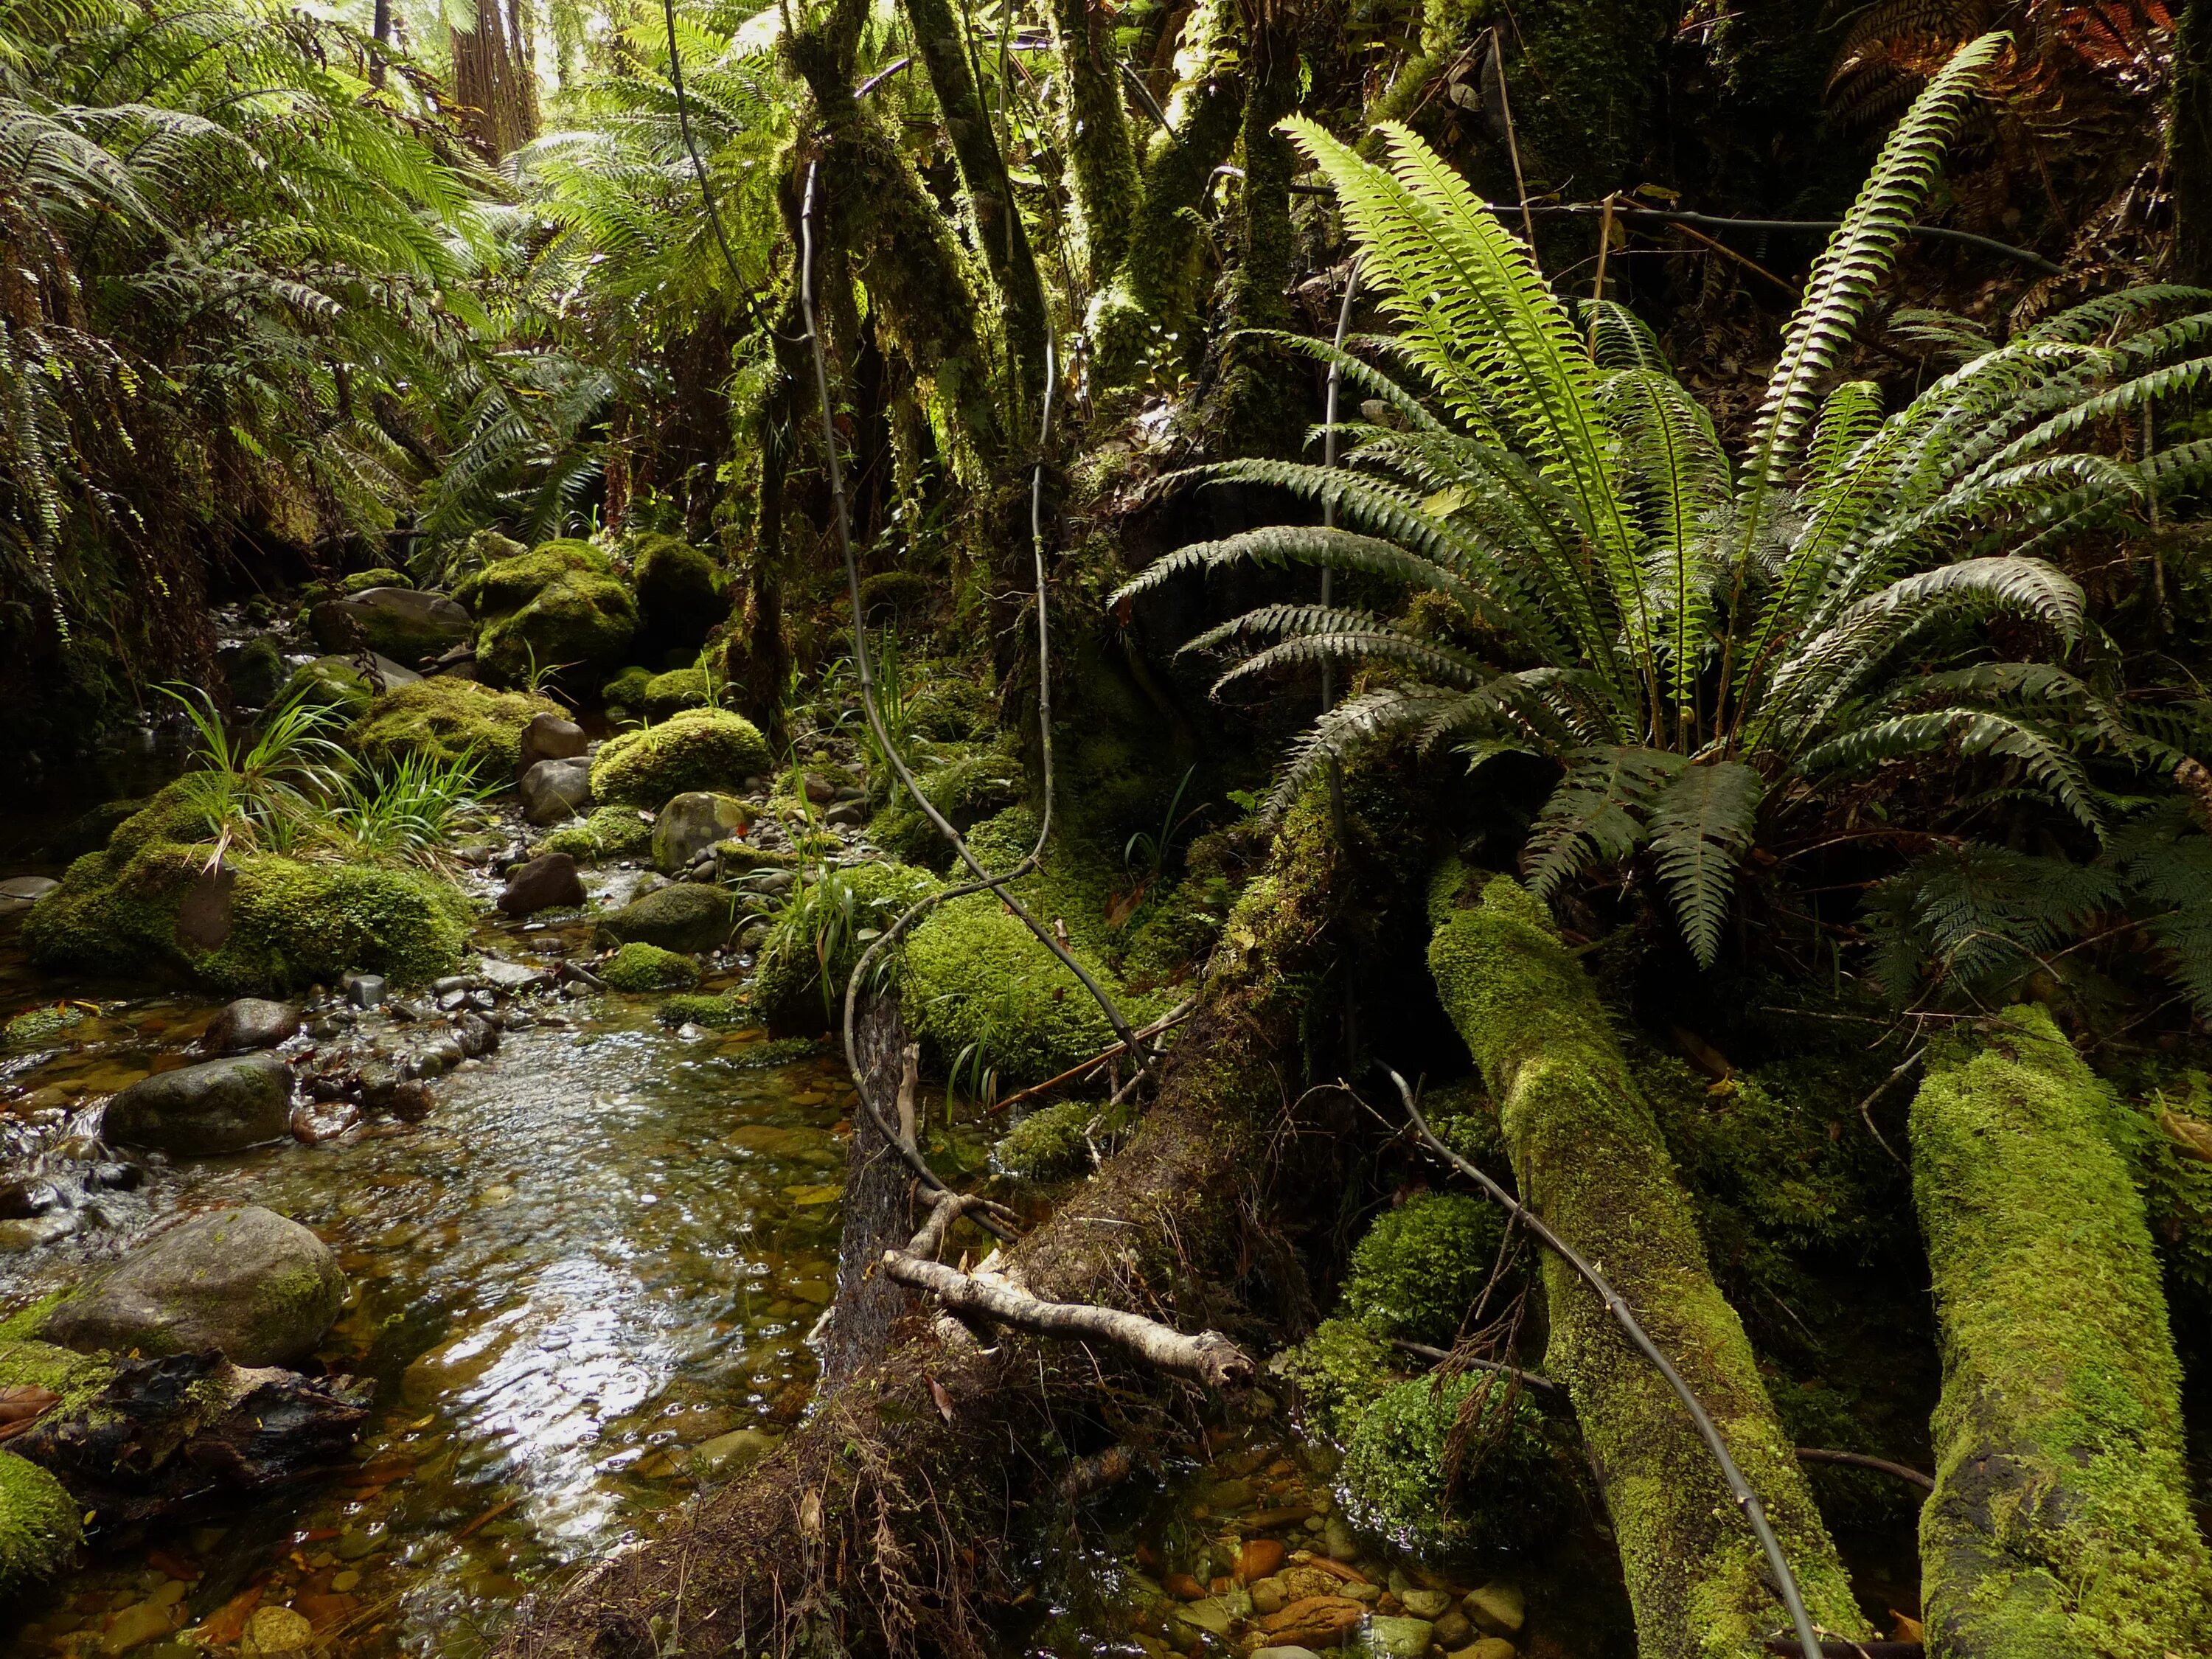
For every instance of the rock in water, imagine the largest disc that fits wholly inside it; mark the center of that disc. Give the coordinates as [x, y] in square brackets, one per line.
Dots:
[548, 737]
[251, 1023]
[20, 893]
[248, 1283]
[683, 916]
[217, 1106]
[693, 822]
[548, 882]
[277, 1631]
[554, 791]
[1400, 1638]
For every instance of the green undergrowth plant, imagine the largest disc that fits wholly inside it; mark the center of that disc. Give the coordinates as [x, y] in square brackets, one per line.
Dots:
[1700, 644]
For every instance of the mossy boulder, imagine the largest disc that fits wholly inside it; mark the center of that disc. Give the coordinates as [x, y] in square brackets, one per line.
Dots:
[383, 576]
[1396, 1472]
[673, 692]
[709, 1011]
[611, 832]
[824, 917]
[331, 683]
[37, 1027]
[217, 1106]
[679, 593]
[640, 968]
[403, 623]
[627, 690]
[701, 749]
[1338, 1371]
[1051, 1143]
[681, 916]
[260, 924]
[40, 1528]
[253, 671]
[1420, 1267]
[449, 720]
[971, 783]
[894, 596]
[507, 582]
[581, 621]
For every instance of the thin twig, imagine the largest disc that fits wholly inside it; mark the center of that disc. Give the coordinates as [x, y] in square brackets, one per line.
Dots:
[1785, 1581]
[1512, 140]
[1175, 1016]
[1861, 1460]
[1866, 1106]
[1429, 1352]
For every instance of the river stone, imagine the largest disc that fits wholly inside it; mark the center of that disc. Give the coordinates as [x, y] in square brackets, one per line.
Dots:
[1490, 1647]
[548, 882]
[20, 893]
[217, 1106]
[1498, 1607]
[274, 1631]
[548, 737]
[554, 791]
[686, 916]
[1400, 1638]
[514, 978]
[1425, 1603]
[399, 621]
[691, 824]
[1285, 1653]
[251, 1023]
[257, 1288]
[1337, 1540]
[728, 1454]
[1452, 1629]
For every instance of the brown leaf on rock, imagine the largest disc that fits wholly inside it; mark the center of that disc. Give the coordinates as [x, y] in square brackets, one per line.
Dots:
[2190, 1138]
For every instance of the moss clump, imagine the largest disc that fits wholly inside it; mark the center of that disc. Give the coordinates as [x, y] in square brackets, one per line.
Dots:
[331, 683]
[288, 924]
[685, 915]
[38, 1526]
[679, 594]
[361, 580]
[638, 967]
[1421, 1266]
[891, 597]
[1338, 1371]
[579, 621]
[508, 583]
[611, 832]
[2060, 1521]
[822, 919]
[254, 671]
[709, 748]
[627, 688]
[948, 707]
[40, 1026]
[673, 692]
[972, 782]
[1395, 1468]
[449, 720]
[722, 1012]
[1051, 1143]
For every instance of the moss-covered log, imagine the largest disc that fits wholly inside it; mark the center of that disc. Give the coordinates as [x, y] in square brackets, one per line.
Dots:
[881, 1524]
[1589, 1157]
[2060, 1525]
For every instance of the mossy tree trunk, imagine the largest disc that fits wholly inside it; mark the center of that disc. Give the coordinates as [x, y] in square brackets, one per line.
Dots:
[1102, 158]
[1589, 1157]
[2060, 1523]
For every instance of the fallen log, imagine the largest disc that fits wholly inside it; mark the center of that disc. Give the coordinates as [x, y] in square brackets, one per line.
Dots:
[2060, 1522]
[1589, 1160]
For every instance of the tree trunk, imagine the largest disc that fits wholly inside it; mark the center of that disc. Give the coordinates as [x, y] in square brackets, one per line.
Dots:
[1102, 161]
[1256, 403]
[1588, 1159]
[2188, 143]
[880, 1526]
[495, 81]
[380, 31]
[2060, 1523]
[880, 1210]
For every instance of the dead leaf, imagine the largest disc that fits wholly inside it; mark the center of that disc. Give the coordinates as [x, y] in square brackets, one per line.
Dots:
[943, 1400]
[21, 1405]
[2190, 1138]
[1908, 1628]
[810, 1514]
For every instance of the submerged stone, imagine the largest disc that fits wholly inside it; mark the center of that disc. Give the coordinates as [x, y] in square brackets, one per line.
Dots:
[217, 1106]
[251, 1023]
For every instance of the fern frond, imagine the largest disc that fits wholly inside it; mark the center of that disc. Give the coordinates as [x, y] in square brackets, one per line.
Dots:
[1701, 826]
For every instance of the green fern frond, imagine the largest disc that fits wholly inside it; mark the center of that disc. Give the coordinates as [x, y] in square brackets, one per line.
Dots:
[1702, 824]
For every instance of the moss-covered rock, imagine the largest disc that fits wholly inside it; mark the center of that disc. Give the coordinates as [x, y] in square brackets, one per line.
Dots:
[449, 720]
[682, 916]
[37, 1027]
[709, 748]
[679, 593]
[891, 598]
[611, 832]
[331, 683]
[823, 917]
[39, 1530]
[508, 582]
[971, 783]
[580, 621]
[1420, 1267]
[254, 671]
[1397, 1476]
[627, 688]
[384, 576]
[1338, 1371]
[947, 706]
[403, 623]
[673, 692]
[265, 925]
[1052, 1143]
[712, 1011]
[640, 968]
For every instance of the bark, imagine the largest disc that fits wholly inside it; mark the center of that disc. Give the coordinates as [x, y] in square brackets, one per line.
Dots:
[1000, 233]
[2188, 143]
[880, 1208]
[1257, 402]
[2060, 1522]
[1102, 160]
[880, 1525]
[1589, 1160]
[494, 80]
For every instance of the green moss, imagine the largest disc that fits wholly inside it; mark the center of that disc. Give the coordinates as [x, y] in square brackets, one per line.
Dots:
[610, 832]
[1421, 1266]
[38, 1526]
[292, 924]
[714, 1012]
[449, 720]
[700, 748]
[254, 671]
[627, 688]
[507, 584]
[948, 707]
[1588, 1154]
[38, 1026]
[648, 967]
[1396, 1476]
[679, 593]
[673, 692]
[971, 783]
[2060, 1522]
[893, 597]
[331, 683]
[823, 918]
[578, 621]
[1338, 1371]
[361, 580]
[1051, 1143]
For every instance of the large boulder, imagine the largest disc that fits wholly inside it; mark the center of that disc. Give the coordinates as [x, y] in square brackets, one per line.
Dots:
[449, 719]
[217, 1106]
[548, 882]
[683, 916]
[707, 748]
[507, 580]
[675, 691]
[253, 670]
[549, 736]
[40, 1531]
[558, 607]
[692, 824]
[255, 1287]
[333, 683]
[679, 598]
[400, 623]
[251, 1023]
[554, 791]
